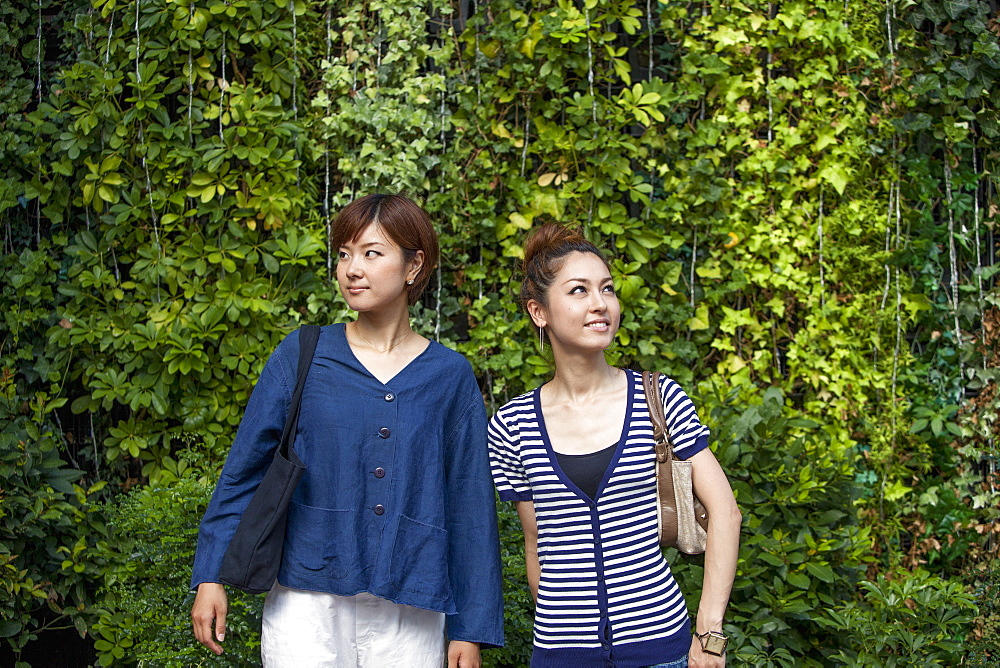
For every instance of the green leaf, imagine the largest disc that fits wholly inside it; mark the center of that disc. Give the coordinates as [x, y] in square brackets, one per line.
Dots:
[836, 174]
[821, 571]
[772, 559]
[700, 319]
[799, 580]
[9, 627]
[896, 491]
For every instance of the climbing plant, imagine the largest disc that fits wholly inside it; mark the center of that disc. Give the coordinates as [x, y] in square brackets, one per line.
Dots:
[798, 201]
[163, 165]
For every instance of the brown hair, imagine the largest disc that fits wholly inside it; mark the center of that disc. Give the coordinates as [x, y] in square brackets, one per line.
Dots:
[544, 251]
[402, 220]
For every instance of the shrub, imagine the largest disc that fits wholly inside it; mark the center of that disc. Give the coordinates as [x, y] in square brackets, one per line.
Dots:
[915, 619]
[51, 531]
[147, 596]
[984, 644]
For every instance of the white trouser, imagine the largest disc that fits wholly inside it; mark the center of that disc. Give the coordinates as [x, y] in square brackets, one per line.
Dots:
[308, 629]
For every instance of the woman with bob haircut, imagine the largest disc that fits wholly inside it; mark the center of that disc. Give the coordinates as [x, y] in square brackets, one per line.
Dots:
[576, 455]
[391, 543]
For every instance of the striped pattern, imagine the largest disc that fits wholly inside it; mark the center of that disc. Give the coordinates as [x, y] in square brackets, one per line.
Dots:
[605, 588]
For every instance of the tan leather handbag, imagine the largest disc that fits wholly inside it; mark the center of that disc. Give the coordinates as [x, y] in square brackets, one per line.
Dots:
[681, 517]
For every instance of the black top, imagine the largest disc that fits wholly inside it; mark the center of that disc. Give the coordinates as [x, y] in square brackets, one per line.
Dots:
[587, 471]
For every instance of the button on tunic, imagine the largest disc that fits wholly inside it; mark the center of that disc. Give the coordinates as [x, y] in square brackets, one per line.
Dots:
[397, 498]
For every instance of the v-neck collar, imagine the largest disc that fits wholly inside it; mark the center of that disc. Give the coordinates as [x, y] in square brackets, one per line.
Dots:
[341, 329]
[554, 461]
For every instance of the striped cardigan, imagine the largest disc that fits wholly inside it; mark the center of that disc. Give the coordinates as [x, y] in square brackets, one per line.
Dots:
[606, 595]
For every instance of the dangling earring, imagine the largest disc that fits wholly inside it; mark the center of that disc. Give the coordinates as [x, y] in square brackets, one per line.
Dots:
[541, 339]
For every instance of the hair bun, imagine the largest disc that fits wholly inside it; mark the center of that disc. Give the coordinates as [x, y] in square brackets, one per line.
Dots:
[549, 239]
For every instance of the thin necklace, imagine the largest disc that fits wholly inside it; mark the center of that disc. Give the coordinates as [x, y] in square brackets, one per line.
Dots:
[387, 350]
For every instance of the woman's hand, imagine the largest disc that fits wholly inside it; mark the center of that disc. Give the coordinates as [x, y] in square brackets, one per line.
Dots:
[463, 654]
[208, 615]
[698, 658]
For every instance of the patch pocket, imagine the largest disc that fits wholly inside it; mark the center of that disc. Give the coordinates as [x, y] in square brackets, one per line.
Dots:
[420, 559]
[321, 541]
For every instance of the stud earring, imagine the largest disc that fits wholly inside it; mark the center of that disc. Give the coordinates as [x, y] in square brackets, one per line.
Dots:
[410, 282]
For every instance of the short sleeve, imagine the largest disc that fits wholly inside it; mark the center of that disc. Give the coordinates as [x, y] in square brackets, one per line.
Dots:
[687, 434]
[505, 463]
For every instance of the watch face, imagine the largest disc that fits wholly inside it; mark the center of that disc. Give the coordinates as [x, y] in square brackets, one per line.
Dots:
[716, 644]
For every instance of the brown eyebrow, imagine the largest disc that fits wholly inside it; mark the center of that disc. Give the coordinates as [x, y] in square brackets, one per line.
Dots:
[586, 280]
[369, 244]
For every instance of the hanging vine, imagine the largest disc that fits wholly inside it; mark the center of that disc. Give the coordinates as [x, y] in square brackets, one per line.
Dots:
[798, 200]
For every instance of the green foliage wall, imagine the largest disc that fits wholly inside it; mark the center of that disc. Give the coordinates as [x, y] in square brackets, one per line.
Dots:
[799, 199]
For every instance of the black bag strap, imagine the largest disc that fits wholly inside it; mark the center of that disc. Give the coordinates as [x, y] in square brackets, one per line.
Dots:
[308, 337]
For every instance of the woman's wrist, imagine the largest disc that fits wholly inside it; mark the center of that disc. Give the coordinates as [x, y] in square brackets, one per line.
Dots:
[706, 624]
[210, 585]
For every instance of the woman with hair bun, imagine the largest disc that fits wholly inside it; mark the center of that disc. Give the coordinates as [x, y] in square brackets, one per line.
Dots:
[576, 456]
[391, 543]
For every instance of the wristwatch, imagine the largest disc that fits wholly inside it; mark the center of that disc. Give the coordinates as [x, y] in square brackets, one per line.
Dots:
[713, 642]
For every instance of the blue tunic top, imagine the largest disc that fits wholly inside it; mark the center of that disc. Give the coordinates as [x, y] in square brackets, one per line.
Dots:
[606, 596]
[397, 498]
